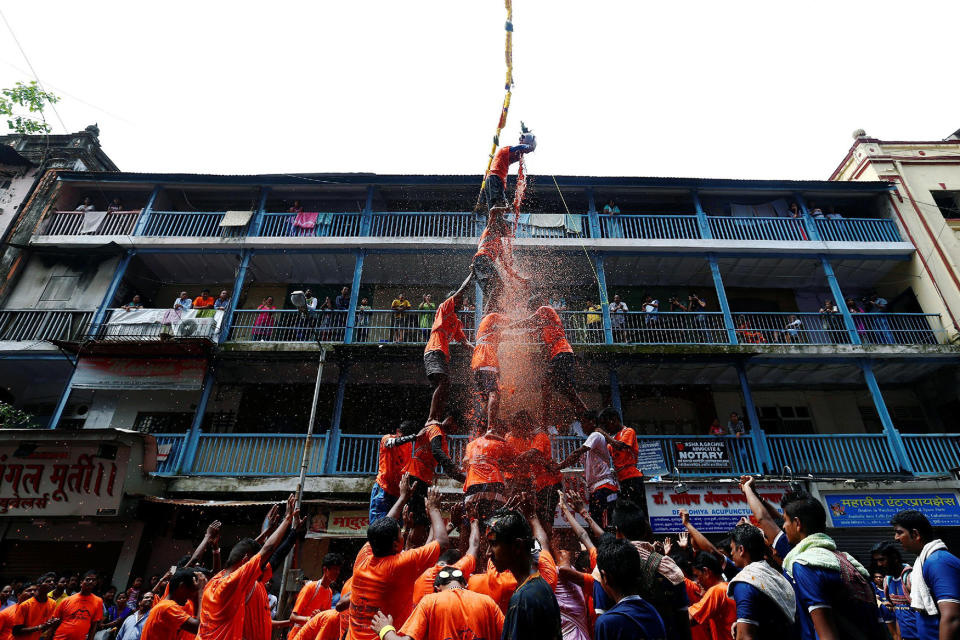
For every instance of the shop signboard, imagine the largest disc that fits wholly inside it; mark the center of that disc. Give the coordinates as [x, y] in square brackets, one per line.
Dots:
[175, 374]
[701, 454]
[874, 509]
[713, 508]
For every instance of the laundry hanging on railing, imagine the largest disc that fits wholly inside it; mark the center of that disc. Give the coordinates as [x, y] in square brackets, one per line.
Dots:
[305, 220]
[236, 218]
[92, 220]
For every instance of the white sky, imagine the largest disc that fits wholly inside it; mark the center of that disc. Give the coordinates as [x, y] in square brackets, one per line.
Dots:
[708, 89]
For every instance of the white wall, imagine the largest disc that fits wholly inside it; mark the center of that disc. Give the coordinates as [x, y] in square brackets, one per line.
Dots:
[14, 195]
[93, 281]
[119, 409]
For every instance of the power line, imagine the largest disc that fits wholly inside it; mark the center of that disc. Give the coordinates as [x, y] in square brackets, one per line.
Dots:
[32, 70]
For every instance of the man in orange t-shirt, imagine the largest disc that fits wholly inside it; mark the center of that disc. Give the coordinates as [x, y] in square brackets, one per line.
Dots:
[383, 580]
[323, 625]
[436, 355]
[485, 363]
[624, 458]
[430, 449]
[316, 596]
[453, 559]
[545, 323]
[390, 463]
[221, 610]
[35, 615]
[79, 613]
[451, 612]
[170, 617]
[484, 460]
[715, 610]
[204, 300]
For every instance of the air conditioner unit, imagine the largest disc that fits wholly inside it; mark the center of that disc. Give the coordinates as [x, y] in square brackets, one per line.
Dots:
[196, 328]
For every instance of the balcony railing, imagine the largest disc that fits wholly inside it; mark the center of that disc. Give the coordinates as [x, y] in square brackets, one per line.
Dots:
[858, 230]
[100, 223]
[790, 328]
[188, 224]
[414, 224]
[149, 325]
[682, 227]
[830, 455]
[638, 327]
[779, 229]
[43, 324]
[286, 225]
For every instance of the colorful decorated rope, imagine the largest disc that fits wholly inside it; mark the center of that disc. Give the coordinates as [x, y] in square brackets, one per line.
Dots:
[508, 85]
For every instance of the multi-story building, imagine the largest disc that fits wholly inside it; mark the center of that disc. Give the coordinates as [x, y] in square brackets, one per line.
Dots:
[214, 404]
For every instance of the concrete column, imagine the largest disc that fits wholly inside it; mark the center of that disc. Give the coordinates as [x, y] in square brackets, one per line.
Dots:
[241, 275]
[333, 436]
[366, 218]
[840, 300]
[894, 438]
[722, 298]
[192, 442]
[757, 434]
[593, 216]
[256, 223]
[354, 295]
[140, 228]
[808, 222]
[604, 301]
[702, 220]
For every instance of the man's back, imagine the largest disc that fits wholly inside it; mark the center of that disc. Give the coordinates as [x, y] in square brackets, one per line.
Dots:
[633, 618]
[533, 613]
[824, 588]
[454, 613]
[941, 572]
[221, 611]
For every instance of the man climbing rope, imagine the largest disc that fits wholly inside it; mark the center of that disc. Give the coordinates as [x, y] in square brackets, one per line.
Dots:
[495, 182]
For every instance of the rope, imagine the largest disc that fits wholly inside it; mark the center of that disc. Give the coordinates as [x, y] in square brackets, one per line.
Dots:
[508, 84]
[596, 275]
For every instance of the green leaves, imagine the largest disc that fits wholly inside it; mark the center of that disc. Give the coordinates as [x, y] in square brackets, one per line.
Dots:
[32, 99]
[13, 418]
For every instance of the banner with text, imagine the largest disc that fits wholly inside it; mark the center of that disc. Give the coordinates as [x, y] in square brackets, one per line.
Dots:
[54, 480]
[713, 508]
[701, 454]
[942, 508]
[180, 374]
[650, 458]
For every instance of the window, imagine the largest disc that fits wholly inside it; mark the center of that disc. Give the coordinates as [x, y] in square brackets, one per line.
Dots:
[169, 422]
[59, 288]
[785, 420]
[948, 202]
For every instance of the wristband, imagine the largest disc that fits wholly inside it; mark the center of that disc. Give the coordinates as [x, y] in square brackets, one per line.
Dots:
[387, 629]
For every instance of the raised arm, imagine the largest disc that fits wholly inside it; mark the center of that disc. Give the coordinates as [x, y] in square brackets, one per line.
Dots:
[271, 522]
[761, 510]
[573, 457]
[448, 465]
[436, 518]
[275, 538]
[579, 531]
[396, 442]
[396, 511]
[696, 538]
[211, 537]
[578, 505]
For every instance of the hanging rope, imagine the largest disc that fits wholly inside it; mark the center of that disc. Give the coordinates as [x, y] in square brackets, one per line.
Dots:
[508, 85]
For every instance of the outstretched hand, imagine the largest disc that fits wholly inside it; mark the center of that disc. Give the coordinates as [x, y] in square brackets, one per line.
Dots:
[684, 517]
[379, 621]
[746, 482]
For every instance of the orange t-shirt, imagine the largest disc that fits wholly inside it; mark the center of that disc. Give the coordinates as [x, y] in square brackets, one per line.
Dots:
[501, 585]
[422, 464]
[32, 612]
[386, 584]
[188, 635]
[694, 593]
[519, 445]
[490, 245]
[345, 591]
[256, 612]
[8, 618]
[500, 167]
[484, 458]
[325, 625]
[625, 462]
[390, 463]
[543, 477]
[164, 621]
[551, 332]
[446, 328]
[715, 612]
[424, 584]
[489, 334]
[454, 613]
[77, 613]
[313, 598]
[223, 600]
[202, 303]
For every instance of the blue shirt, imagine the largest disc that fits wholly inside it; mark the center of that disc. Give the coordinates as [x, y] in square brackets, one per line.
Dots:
[781, 545]
[674, 599]
[906, 616]
[941, 572]
[633, 618]
[820, 588]
[757, 609]
[886, 613]
[131, 627]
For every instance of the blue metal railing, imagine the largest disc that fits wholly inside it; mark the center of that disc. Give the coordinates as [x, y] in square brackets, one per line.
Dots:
[833, 454]
[434, 224]
[782, 229]
[281, 225]
[855, 455]
[639, 327]
[932, 453]
[858, 230]
[43, 324]
[680, 227]
[71, 223]
[188, 224]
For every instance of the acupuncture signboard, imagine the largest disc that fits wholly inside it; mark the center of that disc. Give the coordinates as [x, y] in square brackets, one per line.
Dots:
[713, 508]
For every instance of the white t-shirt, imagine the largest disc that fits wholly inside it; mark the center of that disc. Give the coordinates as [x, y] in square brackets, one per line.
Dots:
[652, 307]
[597, 465]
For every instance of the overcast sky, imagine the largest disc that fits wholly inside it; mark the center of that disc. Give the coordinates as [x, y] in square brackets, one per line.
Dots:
[708, 89]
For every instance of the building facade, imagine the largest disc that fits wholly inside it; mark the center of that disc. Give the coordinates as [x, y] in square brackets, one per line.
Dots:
[814, 328]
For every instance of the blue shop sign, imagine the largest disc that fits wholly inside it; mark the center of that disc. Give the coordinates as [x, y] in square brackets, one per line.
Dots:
[942, 508]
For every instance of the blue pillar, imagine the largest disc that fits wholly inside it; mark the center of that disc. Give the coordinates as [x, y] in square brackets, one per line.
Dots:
[594, 217]
[354, 294]
[140, 228]
[894, 439]
[702, 220]
[478, 305]
[110, 294]
[840, 301]
[366, 218]
[615, 391]
[62, 402]
[758, 435]
[256, 223]
[333, 436]
[604, 302]
[228, 315]
[722, 298]
[808, 222]
[192, 442]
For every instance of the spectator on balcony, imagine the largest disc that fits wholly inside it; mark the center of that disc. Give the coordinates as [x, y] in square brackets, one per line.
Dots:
[222, 302]
[426, 309]
[263, 324]
[114, 206]
[342, 305]
[830, 320]
[613, 223]
[618, 319]
[203, 303]
[326, 319]
[881, 327]
[795, 210]
[746, 335]
[791, 332]
[594, 322]
[716, 429]
[363, 320]
[133, 304]
[296, 207]
[736, 426]
[816, 212]
[698, 306]
[833, 215]
[400, 306]
[304, 322]
[651, 307]
[183, 303]
[86, 206]
[858, 321]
